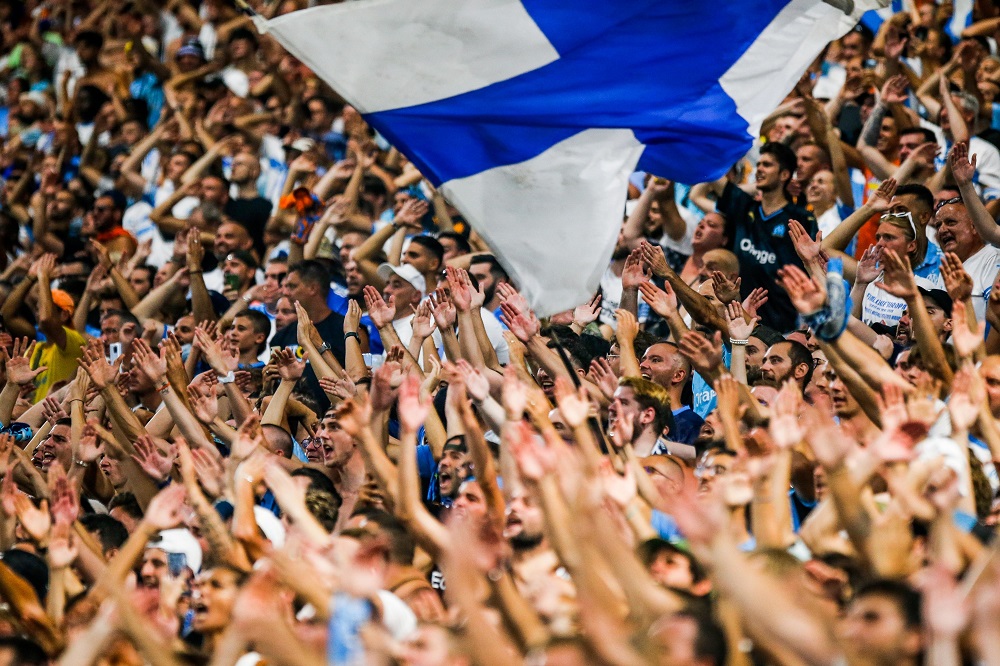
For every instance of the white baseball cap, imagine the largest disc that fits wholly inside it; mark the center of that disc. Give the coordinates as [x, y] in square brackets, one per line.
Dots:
[405, 271]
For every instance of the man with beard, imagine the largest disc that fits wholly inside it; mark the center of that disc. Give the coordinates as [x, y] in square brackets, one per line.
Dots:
[425, 254]
[649, 406]
[787, 360]
[54, 215]
[489, 273]
[104, 225]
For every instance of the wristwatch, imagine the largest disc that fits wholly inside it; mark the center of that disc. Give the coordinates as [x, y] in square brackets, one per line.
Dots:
[323, 348]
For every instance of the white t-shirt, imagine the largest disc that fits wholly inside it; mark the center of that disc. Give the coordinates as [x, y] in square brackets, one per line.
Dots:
[829, 220]
[983, 267]
[682, 246]
[881, 307]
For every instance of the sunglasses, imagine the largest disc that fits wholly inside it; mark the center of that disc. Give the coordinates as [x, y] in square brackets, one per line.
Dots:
[946, 202]
[909, 218]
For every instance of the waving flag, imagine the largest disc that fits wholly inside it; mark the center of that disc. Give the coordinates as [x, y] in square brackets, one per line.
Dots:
[531, 114]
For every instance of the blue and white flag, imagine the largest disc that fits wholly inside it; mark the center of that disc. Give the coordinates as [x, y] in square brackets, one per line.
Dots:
[531, 114]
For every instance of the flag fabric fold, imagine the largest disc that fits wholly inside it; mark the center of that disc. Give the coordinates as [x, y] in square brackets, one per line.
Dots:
[531, 114]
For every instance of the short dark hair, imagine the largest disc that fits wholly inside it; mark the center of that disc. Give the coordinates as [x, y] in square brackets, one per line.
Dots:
[402, 545]
[496, 270]
[461, 242]
[313, 272]
[799, 354]
[278, 439]
[923, 195]
[261, 324]
[432, 244]
[110, 531]
[923, 131]
[90, 38]
[128, 503]
[125, 316]
[787, 160]
[317, 480]
[26, 651]
[906, 598]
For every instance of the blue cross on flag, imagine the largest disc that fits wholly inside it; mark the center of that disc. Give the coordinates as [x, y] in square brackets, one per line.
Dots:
[530, 115]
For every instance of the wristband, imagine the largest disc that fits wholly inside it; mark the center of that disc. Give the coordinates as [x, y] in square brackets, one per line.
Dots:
[195, 272]
[227, 378]
[352, 334]
[323, 348]
[739, 343]
[81, 463]
[163, 387]
[247, 298]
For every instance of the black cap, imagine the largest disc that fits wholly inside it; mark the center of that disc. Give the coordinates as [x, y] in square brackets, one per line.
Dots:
[939, 297]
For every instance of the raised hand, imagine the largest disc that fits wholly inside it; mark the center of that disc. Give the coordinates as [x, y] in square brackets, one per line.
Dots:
[411, 407]
[290, 369]
[63, 549]
[601, 374]
[90, 447]
[19, 364]
[739, 327]
[422, 322]
[897, 276]
[152, 460]
[461, 289]
[586, 314]
[524, 326]
[785, 428]
[662, 301]
[573, 403]
[894, 90]
[879, 202]
[353, 318]
[444, 311]
[411, 213]
[222, 361]
[534, 459]
[963, 405]
[628, 327]
[807, 294]
[354, 414]
[957, 281]
[36, 521]
[102, 373]
[966, 340]
[962, 166]
[165, 510]
[510, 295]
[635, 271]
[475, 382]
[705, 355]
[381, 313]
[807, 248]
[868, 266]
[653, 256]
[149, 363]
[726, 290]
[727, 391]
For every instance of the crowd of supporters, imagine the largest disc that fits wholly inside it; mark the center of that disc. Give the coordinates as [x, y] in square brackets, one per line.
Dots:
[267, 398]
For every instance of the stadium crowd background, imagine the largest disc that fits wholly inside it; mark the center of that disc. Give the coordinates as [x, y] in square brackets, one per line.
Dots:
[267, 397]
